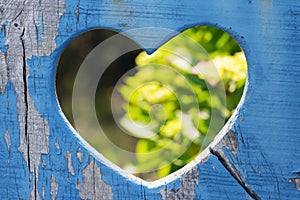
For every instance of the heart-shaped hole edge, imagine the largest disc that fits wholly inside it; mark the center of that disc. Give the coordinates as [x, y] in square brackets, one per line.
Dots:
[202, 156]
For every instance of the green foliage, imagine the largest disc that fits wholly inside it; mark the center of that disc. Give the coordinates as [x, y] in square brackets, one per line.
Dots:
[170, 96]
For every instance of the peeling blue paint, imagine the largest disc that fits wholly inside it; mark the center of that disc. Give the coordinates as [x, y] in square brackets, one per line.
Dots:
[83, 15]
[3, 47]
[42, 79]
[13, 167]
[40, 28]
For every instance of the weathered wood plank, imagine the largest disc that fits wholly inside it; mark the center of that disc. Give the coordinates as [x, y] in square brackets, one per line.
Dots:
[41, 156]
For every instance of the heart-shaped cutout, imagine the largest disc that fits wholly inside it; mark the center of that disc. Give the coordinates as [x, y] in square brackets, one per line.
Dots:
[154, 114]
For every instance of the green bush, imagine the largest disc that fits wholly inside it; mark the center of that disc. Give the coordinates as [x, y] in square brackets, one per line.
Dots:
[169, 95]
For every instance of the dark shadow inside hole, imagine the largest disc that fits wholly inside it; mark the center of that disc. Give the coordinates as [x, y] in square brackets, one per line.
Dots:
[69, 64]
[103, 101]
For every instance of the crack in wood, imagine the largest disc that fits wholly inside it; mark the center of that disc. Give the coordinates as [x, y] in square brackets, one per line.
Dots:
[233, 171]
[35, 184]
[20, 12]
[25, 95]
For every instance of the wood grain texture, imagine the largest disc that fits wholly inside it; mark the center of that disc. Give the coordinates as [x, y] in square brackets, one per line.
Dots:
[255, 156]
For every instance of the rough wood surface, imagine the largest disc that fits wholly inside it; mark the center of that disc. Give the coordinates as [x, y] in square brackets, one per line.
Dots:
[255, 156]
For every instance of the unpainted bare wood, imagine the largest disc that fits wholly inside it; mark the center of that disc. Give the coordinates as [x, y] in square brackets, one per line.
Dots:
[93, 187]
[69, 162]
[186, 190]
[54, 187]
[7, 139]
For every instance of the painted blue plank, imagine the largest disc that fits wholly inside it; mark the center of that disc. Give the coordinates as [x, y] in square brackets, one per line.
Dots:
[267, 126]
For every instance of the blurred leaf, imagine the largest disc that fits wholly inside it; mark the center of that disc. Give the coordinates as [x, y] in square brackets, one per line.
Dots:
[164, 170]
[171, 128]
